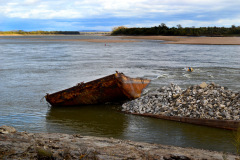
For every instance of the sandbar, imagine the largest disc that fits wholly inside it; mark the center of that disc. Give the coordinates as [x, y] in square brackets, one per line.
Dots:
[190, 40]
[43, 38]
[99, 40]
[164, 39]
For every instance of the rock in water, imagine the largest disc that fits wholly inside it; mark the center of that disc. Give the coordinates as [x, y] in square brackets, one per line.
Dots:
[7, 129]
[203, 85]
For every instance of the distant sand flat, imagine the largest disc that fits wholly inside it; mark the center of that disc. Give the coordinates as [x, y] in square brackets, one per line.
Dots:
[99, 40]
[165, 39]
[190, 40]
[2, 35]
[95, 40]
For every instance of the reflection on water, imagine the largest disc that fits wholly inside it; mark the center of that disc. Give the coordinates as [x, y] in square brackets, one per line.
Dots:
[107, 121]
[32, 66]
[181, 134]
[92, 120]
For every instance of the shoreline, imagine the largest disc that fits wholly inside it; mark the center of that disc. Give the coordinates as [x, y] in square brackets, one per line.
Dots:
[96, 40]
[15, 145]
[190, 40]
[165, 39]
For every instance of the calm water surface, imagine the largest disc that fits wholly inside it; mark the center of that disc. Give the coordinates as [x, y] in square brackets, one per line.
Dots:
[32, 66]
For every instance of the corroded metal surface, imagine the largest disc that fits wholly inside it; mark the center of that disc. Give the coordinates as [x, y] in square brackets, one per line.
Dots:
[224, 124]
[113, 88]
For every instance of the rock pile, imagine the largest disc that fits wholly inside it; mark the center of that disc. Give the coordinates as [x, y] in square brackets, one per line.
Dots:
[209, 101]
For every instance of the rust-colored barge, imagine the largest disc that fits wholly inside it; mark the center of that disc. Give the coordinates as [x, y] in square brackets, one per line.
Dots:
[113, 88]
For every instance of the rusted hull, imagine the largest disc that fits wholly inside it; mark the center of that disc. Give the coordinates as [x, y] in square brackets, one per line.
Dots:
[224, 124]
[113, 88]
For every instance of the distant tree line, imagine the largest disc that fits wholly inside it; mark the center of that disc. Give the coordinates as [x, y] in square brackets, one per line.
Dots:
[178, 31]
[38, 32]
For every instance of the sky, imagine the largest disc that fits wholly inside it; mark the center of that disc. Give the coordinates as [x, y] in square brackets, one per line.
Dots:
[104, 15]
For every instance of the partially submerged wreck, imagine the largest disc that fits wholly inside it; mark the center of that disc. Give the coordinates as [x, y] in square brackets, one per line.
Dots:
[216, 123]
[113, 88]
[205, 104]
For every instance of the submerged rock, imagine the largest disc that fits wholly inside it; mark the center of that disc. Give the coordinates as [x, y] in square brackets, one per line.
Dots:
[209, 101]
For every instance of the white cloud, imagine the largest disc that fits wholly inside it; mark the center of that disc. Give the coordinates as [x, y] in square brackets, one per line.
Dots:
[29, 2]
[151, 13]
[125, 8]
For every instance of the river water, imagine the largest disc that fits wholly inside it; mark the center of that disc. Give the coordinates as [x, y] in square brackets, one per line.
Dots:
[32, 66]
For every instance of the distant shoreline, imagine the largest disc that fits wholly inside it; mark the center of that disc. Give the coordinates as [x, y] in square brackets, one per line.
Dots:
[165, 39]
[96, 40]
[190, 40]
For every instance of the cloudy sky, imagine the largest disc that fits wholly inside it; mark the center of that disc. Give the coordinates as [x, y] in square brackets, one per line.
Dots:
[72, 15]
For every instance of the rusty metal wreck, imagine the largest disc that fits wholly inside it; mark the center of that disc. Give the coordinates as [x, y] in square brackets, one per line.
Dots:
[113, 88]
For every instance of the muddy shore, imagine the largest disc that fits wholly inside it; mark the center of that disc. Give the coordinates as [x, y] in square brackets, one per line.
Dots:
[23, 145]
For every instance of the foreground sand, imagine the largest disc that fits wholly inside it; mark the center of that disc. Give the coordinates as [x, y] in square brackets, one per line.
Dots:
[190, 40]
[23, 145]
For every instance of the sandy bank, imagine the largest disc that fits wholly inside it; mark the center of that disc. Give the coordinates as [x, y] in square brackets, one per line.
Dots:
[23, 145]
[99, 40]
[2, 35]
[190, 40]
[42, 38]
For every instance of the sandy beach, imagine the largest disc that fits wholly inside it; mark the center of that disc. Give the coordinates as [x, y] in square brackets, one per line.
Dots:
[190, 40]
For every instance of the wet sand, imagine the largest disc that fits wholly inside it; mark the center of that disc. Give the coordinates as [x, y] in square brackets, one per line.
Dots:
[190, 40]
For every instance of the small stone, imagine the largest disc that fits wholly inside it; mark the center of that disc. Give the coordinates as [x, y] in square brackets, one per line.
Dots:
[175, 95]
[200, 91]
[235, 112]
[203, 85]
[205, 102]
[210, 106]
[222, 106]
[228, 103]
[223, 114]
[210, 113]
[215, 92]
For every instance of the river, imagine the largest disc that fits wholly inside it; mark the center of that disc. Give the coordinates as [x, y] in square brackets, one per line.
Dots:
[31, 66]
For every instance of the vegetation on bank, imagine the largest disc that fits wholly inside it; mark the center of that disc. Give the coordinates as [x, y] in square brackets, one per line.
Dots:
[178, 31]
[21, 32]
